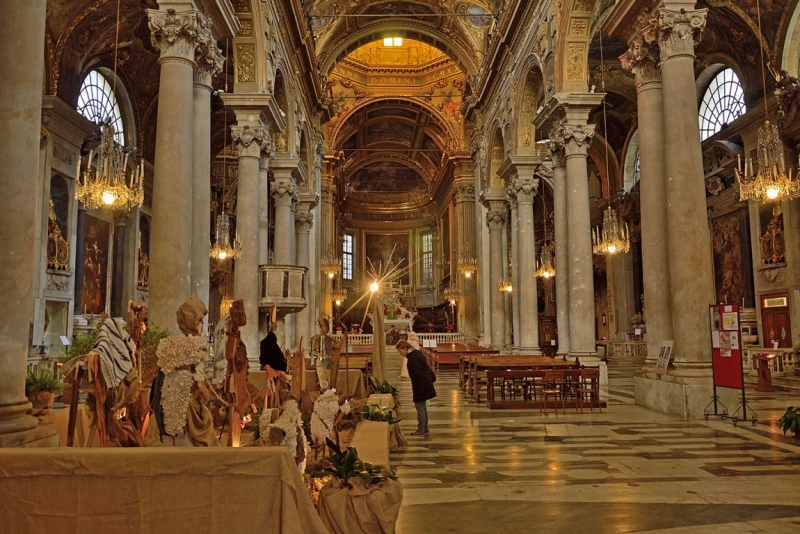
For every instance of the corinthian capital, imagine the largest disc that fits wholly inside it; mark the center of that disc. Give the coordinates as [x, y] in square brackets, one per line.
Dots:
[328, 193]
[555, 146]
[174, 34]
[524, 188]
[208, 57]
[495, 219]
[679, 31]
[577, 138]
[642, 60]
[303, 220]
[284, 192]
[250, 142]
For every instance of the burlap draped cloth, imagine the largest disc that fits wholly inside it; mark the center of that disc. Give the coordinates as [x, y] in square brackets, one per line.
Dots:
[360, 509]
[397, 440]
[154, 490]
[189, 316]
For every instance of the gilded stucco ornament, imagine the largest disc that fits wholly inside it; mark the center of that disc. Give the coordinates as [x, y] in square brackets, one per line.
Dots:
[174, 34]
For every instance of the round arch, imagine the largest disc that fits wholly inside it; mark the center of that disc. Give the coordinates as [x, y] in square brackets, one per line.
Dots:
[573, 47]
[337, 50]
[790, 58]
[496, 156]
[417, 103]
[529, 94]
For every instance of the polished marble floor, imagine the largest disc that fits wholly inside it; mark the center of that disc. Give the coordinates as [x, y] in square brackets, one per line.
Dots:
[627, 469]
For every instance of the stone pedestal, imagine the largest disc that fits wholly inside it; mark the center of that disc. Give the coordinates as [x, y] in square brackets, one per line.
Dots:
[22, 64]
[175, 36]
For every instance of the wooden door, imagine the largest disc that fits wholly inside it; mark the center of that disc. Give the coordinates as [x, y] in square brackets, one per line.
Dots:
[776, 321]
[548, 334]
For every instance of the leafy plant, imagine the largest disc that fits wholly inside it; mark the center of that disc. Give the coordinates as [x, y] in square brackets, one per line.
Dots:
[43, 381]
[373, 412]
[376, 386]
[147, 353]
[790, 421]
[81, 344]
[346, 464]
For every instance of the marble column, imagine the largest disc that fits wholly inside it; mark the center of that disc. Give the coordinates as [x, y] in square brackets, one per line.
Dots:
[209, 60]
[690, 268]
[174, 35]
[328, 231]
[263, 231]
[250, 142]
[22, 64]
[523, 189]
[577, 138]
[303, 221]
[513, 297]
[464, 197]
[642, 59]
[285, 195]
[561, 244]
[496, 221]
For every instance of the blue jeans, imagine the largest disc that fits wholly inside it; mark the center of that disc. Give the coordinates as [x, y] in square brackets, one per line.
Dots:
[422, 416]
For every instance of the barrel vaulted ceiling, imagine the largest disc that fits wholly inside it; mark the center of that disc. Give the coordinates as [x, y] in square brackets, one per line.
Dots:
[398, 106]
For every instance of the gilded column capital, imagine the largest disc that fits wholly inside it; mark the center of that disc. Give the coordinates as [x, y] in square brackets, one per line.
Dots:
[284, 193]
[174, 34]
[577, 138]
[642, 60]
[251, 142]
[208, 57]
[523, 188]
[679, 31]
[303, 221]
[495, 220]
[464, 193]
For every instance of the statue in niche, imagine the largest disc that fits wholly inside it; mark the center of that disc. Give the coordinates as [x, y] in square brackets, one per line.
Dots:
[773, 249]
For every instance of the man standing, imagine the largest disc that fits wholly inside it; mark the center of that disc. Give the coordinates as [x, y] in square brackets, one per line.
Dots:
[422, 379]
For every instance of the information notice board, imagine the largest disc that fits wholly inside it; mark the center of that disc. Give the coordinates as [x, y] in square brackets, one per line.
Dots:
[726, 347]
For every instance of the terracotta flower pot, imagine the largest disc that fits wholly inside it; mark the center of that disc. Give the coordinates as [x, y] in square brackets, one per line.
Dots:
[42, 402]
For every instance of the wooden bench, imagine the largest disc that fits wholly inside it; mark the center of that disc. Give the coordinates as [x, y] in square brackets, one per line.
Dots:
[579, 388]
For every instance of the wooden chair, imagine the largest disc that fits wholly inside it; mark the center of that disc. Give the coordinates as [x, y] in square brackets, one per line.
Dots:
[554, 385]
[589, 388]
[572, 384]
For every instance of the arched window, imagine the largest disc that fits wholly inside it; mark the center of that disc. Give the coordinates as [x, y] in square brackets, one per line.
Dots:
[723, 102]
[97, 103]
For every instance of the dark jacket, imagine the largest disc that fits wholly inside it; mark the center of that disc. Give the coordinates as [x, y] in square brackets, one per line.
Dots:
[422, 376]
[271, 354]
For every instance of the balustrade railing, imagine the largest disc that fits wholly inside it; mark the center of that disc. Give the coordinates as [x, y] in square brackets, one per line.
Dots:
[444, 337]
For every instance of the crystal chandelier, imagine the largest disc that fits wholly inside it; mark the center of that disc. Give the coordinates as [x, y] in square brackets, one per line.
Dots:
[223, 248]
[544, 265]
[451, 294]
[611, 238]
[771, 182]
[106, 185]
[331, 264]
[467, 264]
[338, 295]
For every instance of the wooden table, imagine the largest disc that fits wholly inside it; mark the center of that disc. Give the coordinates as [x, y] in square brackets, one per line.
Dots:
[481, 364]
[451, 353]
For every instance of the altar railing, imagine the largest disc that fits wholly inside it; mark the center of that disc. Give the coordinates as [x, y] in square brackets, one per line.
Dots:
[444, 337]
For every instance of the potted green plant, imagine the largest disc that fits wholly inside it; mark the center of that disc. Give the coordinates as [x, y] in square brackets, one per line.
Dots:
[356, 487]
[41, 389]
[790, 421]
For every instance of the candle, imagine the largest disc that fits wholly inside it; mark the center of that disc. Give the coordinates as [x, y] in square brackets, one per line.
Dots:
[89, 165]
